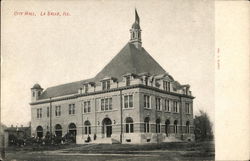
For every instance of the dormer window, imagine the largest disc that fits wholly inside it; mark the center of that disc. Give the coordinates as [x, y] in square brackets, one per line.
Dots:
[106, 85]
[146, 81]
[128, 81]
[80, 90]
[166, 86]
[39, 93]
[86, 88]
[186, 91]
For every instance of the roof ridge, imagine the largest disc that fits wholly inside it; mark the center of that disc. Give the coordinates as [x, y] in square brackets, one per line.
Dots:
[70, 83]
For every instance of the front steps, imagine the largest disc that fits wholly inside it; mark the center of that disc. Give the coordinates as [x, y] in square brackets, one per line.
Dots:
[105, 141]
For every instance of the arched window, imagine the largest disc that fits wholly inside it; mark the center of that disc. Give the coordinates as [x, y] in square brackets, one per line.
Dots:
[58, 130]
[187, 127]
[158, 126]
[175, 126]
[87, 128]
[129, 125]
[167, 123]
[146, 125]
[39, 131]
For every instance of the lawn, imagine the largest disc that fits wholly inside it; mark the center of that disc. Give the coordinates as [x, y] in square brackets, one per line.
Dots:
[161, 151]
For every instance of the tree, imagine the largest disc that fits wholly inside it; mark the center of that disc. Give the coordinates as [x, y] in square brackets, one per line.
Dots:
[203, 127]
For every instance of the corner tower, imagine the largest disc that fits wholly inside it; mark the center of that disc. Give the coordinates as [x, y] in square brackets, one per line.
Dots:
[135, 32]
[36, 91]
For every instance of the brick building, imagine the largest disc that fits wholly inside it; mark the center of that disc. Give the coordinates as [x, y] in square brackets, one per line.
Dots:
[131, 100]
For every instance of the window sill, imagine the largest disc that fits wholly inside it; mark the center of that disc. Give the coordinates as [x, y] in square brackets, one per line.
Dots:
[107, 111]
[85, 113]
[168, 111]
[72, 114]
[147, 108]
[129, 108]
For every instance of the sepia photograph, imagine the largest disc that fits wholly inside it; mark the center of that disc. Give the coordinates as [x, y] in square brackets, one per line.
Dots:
[108, 80]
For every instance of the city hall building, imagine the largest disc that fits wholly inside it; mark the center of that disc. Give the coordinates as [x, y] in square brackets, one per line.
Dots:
[131, 100]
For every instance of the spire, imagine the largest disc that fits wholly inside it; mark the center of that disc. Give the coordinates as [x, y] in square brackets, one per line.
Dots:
[137, 18]
[135, 31]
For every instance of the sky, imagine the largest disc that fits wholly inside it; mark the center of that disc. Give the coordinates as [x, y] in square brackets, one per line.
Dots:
[53, 50]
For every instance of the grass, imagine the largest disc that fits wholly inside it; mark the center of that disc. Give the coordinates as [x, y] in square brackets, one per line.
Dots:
[161, 151]
[175, 146]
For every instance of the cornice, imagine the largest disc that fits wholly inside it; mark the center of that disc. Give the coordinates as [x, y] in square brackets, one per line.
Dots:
[108, 91]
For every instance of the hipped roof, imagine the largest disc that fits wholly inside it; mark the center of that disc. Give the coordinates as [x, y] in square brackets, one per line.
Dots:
[129, 60]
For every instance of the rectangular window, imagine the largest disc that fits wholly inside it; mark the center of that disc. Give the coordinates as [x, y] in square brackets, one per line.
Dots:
[128, 101]
[86, 107]
[127, 81]
[74, 109]
[146, 101]
[87, 130]
[58, 111]
[166, 86]
[48, 111]
[125, 101]
[102, 104]
[89, 108]
[146, 81]
[158, 103]
[39, 113]
[187, 107]
[106, 85]
[175, 103]
[86, 88]
[106, 104]
[146, 127]
[71, 109]
[110, 103]
[131, 101]
[167, 105]
[129, 127]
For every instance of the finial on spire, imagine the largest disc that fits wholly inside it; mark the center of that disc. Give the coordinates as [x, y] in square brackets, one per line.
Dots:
[137, 18]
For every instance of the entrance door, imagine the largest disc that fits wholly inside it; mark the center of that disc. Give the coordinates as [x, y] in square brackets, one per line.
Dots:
[72, 132]
[107, 127]
[108, 131]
